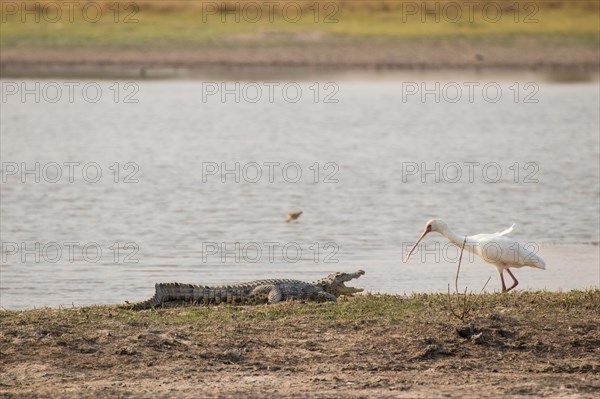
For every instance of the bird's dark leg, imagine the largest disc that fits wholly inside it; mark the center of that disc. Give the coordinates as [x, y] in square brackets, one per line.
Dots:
[502, 279]
[515, 282]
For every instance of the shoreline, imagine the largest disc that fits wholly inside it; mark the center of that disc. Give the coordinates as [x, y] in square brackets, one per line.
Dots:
[383, 278]
[532, 55]
[364, 35]
[563, 73]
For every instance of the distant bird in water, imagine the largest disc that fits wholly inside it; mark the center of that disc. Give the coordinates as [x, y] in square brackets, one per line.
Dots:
[500, 251]
[293, 216]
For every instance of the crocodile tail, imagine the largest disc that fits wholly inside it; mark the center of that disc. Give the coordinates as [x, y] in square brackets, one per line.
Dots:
[153, 302]
[164, 292]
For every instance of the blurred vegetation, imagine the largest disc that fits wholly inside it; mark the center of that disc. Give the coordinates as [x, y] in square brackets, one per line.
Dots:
[125, 25]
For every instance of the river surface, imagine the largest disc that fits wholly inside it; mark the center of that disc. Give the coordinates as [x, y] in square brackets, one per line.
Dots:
[103, 195]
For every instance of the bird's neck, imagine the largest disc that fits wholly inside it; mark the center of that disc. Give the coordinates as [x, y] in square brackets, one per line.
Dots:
[454, 237]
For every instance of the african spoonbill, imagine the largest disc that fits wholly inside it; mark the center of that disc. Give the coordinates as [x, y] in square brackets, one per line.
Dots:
[496, 248]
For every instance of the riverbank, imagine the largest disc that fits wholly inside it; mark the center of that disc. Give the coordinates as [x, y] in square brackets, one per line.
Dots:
[523, 343]
[455, 54]
[369, 35]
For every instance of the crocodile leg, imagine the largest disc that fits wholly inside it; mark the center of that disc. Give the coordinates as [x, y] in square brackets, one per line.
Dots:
[275, 294]
[267, 293]
[326, 296]
[261, 293]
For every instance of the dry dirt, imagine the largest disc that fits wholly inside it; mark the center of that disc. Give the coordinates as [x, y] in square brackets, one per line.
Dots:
[521, 345]
[518, 54]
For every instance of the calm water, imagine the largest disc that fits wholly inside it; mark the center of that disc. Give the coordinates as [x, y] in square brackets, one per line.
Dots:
[365, 204]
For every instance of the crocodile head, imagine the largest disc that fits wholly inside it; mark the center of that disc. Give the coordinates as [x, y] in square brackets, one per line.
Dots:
[334, 283]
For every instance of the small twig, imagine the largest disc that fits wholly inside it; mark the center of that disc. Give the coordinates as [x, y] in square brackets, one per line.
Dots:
[463, 306]
[459, 262]
[485, 285]
[451, 304]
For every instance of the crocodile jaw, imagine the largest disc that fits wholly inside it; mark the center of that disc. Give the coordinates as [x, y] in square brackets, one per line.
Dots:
[348, 291]
[335, 283]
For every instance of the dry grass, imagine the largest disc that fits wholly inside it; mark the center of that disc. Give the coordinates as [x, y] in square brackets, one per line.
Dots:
[371, 346]
[164, 24]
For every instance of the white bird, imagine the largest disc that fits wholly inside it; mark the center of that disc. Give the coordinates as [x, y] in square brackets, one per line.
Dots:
[500, 251]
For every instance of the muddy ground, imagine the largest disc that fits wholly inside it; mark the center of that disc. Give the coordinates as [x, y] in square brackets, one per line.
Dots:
[516, 345]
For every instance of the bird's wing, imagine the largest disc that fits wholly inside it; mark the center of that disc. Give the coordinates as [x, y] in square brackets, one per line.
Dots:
[505, 250]
[505, 232]
[488, 236]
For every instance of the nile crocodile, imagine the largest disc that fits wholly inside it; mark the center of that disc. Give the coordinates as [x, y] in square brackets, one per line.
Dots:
[252, 293]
